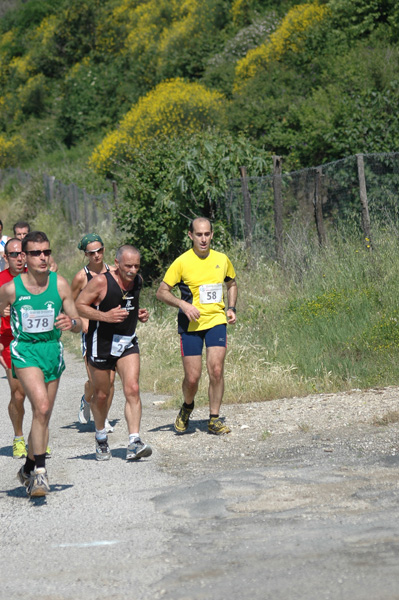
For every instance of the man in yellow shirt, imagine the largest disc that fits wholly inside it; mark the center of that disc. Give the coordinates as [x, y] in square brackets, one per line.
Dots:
[200, 274]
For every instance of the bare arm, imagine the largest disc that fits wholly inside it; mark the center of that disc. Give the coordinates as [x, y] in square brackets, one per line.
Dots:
[7, 297]
[232, 293]
[93, 293]
[64, 319]
[164, 294]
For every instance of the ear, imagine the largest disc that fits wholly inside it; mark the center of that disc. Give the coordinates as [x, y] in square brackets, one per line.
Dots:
[190, 235]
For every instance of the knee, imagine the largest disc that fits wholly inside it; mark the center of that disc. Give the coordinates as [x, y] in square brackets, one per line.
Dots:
[191, 380]
[42, 412]
[216, 373]
[17, 398]
[100, 397]
[132, 391]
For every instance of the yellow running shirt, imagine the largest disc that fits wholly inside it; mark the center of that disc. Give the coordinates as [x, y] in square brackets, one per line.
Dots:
[201, 283]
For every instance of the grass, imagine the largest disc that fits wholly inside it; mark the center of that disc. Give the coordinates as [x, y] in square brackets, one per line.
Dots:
[328, 321]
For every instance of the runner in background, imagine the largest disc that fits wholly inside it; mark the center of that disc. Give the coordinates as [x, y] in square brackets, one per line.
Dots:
[93, 247]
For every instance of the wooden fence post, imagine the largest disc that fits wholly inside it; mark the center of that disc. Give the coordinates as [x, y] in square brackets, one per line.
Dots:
[278, 207]
[363, 200]
[318, 208]
[247, 209]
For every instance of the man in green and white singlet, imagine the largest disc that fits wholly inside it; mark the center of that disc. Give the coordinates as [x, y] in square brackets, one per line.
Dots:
[41, 308]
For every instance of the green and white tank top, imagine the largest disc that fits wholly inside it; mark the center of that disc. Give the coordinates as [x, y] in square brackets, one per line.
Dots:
[33, 315]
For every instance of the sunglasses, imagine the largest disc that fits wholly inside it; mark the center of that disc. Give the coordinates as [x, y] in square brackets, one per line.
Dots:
[100, 249]
[14, 254]
[38, 252]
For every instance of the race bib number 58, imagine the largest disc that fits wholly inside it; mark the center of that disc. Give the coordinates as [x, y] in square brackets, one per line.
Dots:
[37, 321]
[210, 293]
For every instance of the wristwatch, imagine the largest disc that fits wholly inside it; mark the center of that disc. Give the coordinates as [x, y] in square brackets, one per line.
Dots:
[73, 321]
[233, 308]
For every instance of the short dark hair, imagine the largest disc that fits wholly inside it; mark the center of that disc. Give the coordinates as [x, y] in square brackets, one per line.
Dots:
[34, 236]
[21, 225]
[9, 241]
[191, 227]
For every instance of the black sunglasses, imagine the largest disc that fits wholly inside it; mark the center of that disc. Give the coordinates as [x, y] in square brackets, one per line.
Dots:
[38, 252]
[13, 254]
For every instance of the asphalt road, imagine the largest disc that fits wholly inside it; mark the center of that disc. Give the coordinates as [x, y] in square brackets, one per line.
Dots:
[296, 521]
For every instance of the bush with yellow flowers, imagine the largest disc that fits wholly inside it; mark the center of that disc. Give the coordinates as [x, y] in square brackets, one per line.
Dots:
[174, 106]
[288, 37]
[11, 150]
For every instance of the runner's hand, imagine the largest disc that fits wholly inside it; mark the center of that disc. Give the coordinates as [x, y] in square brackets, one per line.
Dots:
[231, 317]
[143, 315]
[116, 315]
[63, 322]
[2, 361]
[192, 313]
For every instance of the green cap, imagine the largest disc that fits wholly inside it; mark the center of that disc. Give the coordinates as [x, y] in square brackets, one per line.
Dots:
[88, 239]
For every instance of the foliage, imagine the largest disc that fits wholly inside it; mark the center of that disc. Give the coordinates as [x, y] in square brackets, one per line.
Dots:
[12, 150]
[171, 108]
[287, 38]
[171, 182]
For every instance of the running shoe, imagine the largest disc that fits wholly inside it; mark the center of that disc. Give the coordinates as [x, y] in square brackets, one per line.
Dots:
[138, 449]
[38, 483]
[18, 448]
[182, 419]
[217, 427]
[48, 452]
[108, 427]
[84, 411]
[102, 450]
[23, 477]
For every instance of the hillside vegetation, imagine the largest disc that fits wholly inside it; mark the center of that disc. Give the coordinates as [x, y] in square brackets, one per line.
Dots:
[312, 81]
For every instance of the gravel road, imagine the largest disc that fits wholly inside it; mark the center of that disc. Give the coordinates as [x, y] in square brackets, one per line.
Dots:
[300, 501]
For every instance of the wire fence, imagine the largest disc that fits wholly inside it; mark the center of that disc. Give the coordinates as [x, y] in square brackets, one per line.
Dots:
[78, 207]
[264, 211]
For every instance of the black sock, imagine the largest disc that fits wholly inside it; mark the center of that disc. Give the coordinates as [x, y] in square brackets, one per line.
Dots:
[189, 406]
[40, 460]
[29, 465]
[213, 416]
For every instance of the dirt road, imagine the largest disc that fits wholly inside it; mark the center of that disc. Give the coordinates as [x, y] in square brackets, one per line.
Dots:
[300, 501]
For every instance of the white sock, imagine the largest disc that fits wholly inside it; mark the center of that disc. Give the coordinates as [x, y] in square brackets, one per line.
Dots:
[133, 437]
[101, 434]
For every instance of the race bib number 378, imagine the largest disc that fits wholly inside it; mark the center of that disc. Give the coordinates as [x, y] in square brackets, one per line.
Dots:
[37, 321]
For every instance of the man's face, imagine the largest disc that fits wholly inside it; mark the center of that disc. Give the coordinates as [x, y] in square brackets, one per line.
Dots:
[37, 264]
[94, 252]
[129, 265]
[201, 237]
[15, 263]
[20, 232]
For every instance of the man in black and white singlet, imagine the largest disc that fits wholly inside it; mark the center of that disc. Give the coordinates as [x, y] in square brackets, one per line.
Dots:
[111, 303]
[93, 247]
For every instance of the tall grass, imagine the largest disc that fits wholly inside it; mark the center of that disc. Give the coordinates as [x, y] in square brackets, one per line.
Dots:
[327, 321]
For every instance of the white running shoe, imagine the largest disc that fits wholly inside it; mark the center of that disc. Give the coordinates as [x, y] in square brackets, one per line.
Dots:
[84, 411]
[108, 427]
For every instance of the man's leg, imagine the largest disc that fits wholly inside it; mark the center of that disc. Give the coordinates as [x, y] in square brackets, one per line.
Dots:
[101, 382]
[129, 372]
[41, 396]
[192, 366]
[16, 411]
[215, 356]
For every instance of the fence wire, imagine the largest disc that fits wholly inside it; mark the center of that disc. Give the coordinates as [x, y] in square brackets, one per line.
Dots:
[339, 195]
